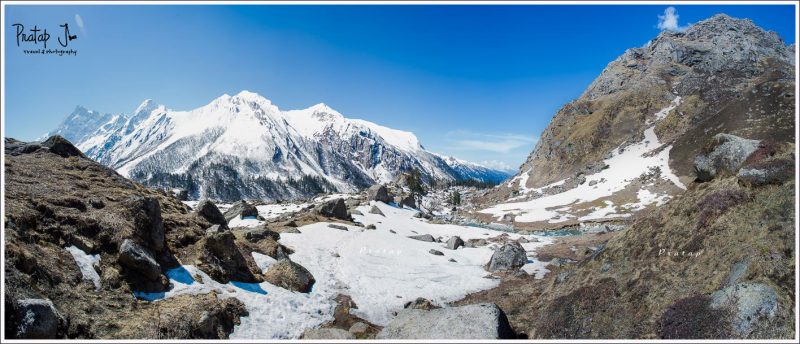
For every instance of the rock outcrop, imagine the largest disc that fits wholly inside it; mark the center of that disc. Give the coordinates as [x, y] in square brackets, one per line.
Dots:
[481, 321]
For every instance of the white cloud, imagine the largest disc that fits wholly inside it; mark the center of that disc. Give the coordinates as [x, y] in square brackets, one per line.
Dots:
[79, 21]
[669, 21]
[497, 143]
[497, 165]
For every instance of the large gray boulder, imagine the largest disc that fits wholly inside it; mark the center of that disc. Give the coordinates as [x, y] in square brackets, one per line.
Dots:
[290, 275]
[748, 302]
[480, 321]
[454, 243]
[209, 211]
[510, 256]
[727, 155]
[139, 259]
[241, 209]
[36, 319]
[379, 193]
[327, 333]
[336, 209]
[375, 210]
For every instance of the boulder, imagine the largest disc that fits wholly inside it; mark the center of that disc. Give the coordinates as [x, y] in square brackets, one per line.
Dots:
[476, 243]
[454, 243]
[510, 256]
[221, 258]
[435, 252]
[748, 302]
[242, 209]
[421, 303]
[339, 227]
[727, 154]
[145, 213]
[290, 275]
[60, 146]
[423, 237]
[775, 171]
[376, 210]
[479, 321]
[139, 259]
[327, 333]
[209, 211]
[371, 226]
[36, 319]
[407, 201]
[334, 208]
[358, 328]
[379, 193]
[258, 234]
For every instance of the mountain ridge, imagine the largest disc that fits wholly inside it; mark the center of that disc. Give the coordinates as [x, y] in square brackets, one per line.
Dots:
[245, 142]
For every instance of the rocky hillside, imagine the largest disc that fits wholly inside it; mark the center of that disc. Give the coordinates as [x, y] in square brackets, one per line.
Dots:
[243, 146]
[718, 261]
[665, 100]
[81, 240]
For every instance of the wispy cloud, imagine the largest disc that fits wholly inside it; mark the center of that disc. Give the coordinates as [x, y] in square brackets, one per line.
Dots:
[491, 142]
[79, 21]
[497, 165]
[669, 20]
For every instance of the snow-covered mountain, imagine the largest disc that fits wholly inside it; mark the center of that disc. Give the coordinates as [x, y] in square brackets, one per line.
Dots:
[243, 146]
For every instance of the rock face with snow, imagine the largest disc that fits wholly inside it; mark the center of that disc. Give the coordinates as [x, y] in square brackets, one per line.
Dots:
[243, 146]
[630, 139]
[480, 321]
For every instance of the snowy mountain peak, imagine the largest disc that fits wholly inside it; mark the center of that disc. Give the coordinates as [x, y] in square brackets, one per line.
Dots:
[243, 146]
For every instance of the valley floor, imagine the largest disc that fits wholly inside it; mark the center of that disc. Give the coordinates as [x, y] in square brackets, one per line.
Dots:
[380, 269]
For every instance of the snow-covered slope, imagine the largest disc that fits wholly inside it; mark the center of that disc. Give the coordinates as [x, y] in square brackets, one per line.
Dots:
[243, 146]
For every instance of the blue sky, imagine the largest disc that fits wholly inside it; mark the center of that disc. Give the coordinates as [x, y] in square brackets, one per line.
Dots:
[476, 82]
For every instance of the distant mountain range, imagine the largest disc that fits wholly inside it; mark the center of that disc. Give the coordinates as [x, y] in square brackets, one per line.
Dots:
[243, 146]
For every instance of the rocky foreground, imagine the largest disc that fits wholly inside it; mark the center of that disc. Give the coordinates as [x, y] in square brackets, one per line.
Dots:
[90, 254]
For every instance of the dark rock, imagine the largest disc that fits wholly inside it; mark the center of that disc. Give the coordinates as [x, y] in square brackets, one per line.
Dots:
[222, 260]
[340, 227]
[149, 226]
[60, 146]
[290, 275]
[242, 209]
[137, 258]
[209, 211]
[424, 237]
[35, 319]
[334, 208]
[454, 243]
[510, 256]
[408, 201]
[262, 233]
[379, 193]
[435, 252]
[370, 226]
